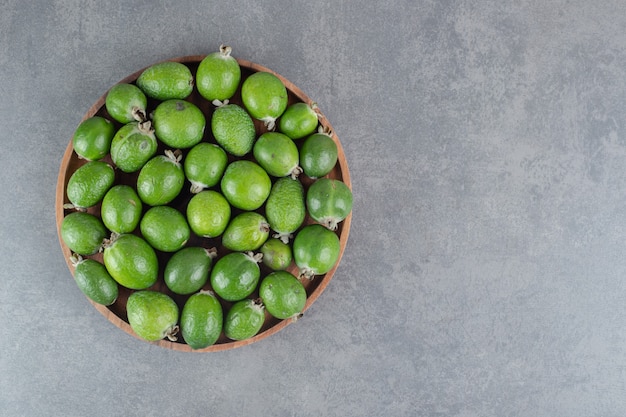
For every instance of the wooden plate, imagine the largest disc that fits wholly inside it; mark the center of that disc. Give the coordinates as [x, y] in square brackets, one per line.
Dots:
[116, 313]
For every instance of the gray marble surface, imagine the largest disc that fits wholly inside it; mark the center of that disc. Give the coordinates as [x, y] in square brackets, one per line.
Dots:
[485, 271]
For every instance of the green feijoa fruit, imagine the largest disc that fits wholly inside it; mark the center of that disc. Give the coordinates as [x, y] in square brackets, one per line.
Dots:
[126, 103]
[245, 185]
[131, 261]
[233, 129]
[208, 213]
[161, 179]
[152, 315]
[179, 124]
[121, 209]
[283, 295]
[165, 228]
[276, 254]
[94, 280]
[235, 275]
[166, 81]
[204, 166]
[318, 155]
[315, 250]
[218, 75]
[277, 154]
[133, 145]
[188, 269]
[89, 183]
[247, 231]
[298, 120]
[201, 320]
[92, 138]
[285, 208]
[83, 233]
[329, 202]
[244, 319]
[265, 97]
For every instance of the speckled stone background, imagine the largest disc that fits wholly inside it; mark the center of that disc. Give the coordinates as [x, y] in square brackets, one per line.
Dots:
[485, 271]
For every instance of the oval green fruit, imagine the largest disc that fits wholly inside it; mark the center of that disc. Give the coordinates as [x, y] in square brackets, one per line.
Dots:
[235, 276]
[188, 269]
[218, 75]
[161, 179]
[89, 183]
[204, 166]
[166, 80]
[277, 154]
[152, 315]
[92, 138]
[126, 103]
[245, 185]
[133, 145]
[93, 279]
[276, 254]
[121, 209]
[285, 207]
[298, 120]
[283, 295]
[165, 228]
[83, 233]
[233, 129]
[318, 155]
[246, 232]
[208, 213]
[329, 202]
[131, 261]
[179, 124]
[315, 250]
[244, 319]
[201, 320]
[265, 97]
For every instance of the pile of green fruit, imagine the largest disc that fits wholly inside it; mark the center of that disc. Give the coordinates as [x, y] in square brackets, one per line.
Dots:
[208, 213]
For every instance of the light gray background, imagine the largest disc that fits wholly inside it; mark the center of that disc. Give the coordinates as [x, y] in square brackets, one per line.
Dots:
[485, 271]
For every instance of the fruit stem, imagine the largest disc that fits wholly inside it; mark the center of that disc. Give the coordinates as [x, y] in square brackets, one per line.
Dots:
[145, 127]
[174, 156]
[264, 227]
[212, 252]
[172, 332]
[219, 103]
[284, 237]
[325, 130]
[269, 122]
[295, 172]
[317, 110]
[296, 317]
[225, 50]
[106, 243]
[330, 223]
[196, 187]
[254, 257]
[306, 273]
[138, 114]
[75, 259]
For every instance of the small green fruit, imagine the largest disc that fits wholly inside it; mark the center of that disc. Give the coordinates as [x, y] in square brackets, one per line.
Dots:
[166, 81]
[218, 75]
[161, 179]
[283, 295]
[179, 124]
[277, 154]
[83, 233]
[315, 250]
[245, 185]
[265, 97]
[276, 254]
[233, 129]
[131, 261]
[89, 183]
[92, 138]
[201, 320]
[133, 145]
[318, 155]
[126, 103]
[152, 315]
[204, 166]
[188, 269]
[244, 319]
[235, 276]
[246, 232]
[165, 228]
[298, 120]
[94, 280]
[329, 202]
[121, 209]
[285, 208]
[208, 213]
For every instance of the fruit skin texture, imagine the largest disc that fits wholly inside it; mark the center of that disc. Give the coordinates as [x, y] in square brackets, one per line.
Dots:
[298, 120]
[283, 295]
[92, 138]
[285, 208]
[233, 129]
[179, 124]
[165, 228]
[318, 155]
[246, 232]
[244, 320]
[315, 250]
[276, 254]
[208, 213]
[264, 96]
[126, 103]
[89, 183]
[218, 75]
[83, 233]
[152, 315]
[329, 202]
[131, 261]
[204, 166]
[133, 145]
[245, 185]
[235, 276]
[121, 209]
[95, 282]
[166, 80]
[160, 180]
[188, 270]
[201, 320]
[277, 154]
